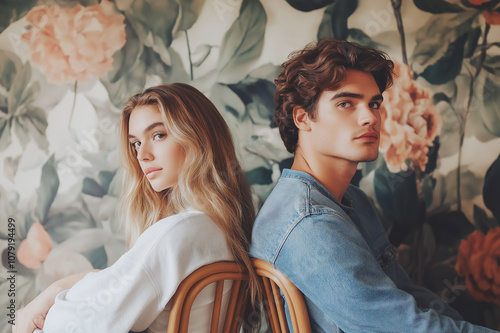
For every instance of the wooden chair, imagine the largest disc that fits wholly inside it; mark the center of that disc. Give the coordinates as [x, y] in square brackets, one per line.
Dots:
[274, 281]
[191, 286]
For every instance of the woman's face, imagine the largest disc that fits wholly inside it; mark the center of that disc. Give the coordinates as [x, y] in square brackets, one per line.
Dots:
[159, 155]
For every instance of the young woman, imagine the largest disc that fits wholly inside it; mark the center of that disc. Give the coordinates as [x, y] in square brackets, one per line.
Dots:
[186, 204]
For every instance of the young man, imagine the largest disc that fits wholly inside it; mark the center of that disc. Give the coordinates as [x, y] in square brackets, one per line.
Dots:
[319, 230]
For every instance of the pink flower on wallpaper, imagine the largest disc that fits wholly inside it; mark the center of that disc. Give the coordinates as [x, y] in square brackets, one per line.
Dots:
[410, 122]
[74, 44]
[35, 248]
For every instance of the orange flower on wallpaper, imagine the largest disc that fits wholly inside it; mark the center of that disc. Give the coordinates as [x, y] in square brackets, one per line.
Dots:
[478, 2]
[410, 122]
[74, 44]
[35, 248]
[491, 17]
[479, 261]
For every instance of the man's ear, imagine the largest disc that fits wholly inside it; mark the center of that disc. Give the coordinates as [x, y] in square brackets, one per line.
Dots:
[301, 119]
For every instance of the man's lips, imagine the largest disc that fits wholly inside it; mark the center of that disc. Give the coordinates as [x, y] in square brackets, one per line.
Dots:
[150, 171]
[369, 136]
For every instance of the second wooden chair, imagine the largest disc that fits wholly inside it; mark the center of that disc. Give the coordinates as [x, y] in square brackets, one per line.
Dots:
[274, 281]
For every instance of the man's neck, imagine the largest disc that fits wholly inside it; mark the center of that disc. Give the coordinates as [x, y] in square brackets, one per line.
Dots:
[334, 174]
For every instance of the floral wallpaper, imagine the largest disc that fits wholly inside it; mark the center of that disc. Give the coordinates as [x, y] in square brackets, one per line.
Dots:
[68, 66]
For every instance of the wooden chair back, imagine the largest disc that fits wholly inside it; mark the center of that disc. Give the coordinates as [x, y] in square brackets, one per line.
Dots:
[191, 286]
[274, 281]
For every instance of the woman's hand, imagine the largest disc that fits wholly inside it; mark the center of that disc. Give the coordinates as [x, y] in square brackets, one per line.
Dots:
[33, 315]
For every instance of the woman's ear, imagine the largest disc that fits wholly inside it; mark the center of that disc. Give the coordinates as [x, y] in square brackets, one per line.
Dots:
[301, 119]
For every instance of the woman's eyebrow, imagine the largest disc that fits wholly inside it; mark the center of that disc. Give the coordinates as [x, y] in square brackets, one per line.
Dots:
[149, 128]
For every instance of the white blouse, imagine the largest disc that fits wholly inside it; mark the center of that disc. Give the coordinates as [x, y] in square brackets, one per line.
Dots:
[134, 293]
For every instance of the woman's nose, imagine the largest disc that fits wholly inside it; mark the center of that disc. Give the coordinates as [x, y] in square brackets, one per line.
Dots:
[144, 153]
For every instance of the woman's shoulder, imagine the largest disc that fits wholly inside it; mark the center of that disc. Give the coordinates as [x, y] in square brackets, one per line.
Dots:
[189, 230]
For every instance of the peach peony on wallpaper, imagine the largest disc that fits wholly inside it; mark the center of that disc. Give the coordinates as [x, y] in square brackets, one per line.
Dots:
[68, 66]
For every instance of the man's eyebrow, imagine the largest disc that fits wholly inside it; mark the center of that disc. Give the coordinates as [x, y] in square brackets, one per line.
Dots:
[347, 94]
[149, 128]
[377, 97]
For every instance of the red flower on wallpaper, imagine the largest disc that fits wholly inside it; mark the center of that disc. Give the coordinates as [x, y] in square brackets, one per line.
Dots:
[491, 17]
[74, 44]
[479, 261]
[410, 122]
[478, 2]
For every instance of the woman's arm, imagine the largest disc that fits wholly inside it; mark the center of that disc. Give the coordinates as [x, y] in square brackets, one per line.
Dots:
[33, 314]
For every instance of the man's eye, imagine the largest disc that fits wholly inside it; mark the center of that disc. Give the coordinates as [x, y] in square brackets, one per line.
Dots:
[344, 105]
[375, 105]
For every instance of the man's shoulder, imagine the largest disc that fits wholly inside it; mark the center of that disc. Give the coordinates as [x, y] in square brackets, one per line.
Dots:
[293, 201]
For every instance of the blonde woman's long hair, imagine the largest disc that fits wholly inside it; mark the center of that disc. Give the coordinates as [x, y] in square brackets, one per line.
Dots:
[210, 180]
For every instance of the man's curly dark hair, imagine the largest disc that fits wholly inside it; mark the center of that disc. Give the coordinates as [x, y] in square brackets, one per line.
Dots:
[318, 67]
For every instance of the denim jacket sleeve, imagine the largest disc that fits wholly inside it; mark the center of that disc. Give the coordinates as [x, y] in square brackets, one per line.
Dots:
[326, 257]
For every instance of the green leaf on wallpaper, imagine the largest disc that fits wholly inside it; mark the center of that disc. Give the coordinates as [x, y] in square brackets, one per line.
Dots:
[105, 179]
[490, 112]
[127, 57]
[397, 195]
[228, 102]
[491, 189]
[242, 43]
[449, 65]
[189, 12]
[360, 37]
[63, 223]
[46, 193]
[437, 6]
[91, 187]
[258, 97]
[309, 5]
[153, 21]
[440, 97]
[259, 176]
[440, 48]
[472, 41]
[482, 221]
[13, 10]
[133, 64]
[334, 23]
[97, 257]
[18, 111]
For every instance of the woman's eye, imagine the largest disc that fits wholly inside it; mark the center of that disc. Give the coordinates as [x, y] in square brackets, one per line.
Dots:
[135, 144]
[375, 105]
[158, 136]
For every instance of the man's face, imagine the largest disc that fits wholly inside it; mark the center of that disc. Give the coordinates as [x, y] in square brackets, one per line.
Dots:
[347, 121]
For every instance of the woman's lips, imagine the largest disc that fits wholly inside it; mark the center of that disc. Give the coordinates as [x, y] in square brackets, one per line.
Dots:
[151, 172]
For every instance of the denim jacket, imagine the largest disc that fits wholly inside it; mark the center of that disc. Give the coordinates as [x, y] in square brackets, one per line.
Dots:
[339, 256]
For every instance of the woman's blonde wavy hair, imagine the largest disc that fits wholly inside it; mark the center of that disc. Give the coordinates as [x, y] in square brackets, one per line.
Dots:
[210, 180]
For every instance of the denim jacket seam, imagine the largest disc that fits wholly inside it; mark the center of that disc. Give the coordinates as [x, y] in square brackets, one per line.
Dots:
[285, 238]
[299, 219]
[301, 216]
